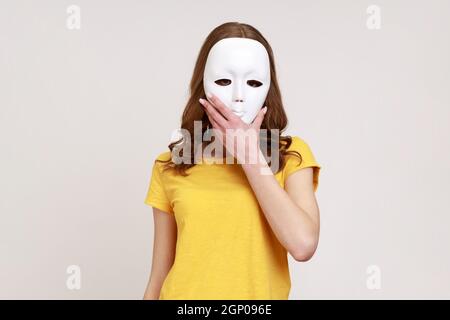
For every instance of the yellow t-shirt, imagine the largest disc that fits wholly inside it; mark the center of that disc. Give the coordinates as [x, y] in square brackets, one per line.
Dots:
[225, 247]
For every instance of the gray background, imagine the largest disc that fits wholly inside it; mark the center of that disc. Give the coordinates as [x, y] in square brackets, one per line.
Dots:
[83, 114]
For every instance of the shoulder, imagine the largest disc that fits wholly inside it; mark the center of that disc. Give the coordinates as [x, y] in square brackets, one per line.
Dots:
[298, 144]
[164, 156]
[161, 159]
[307, 159]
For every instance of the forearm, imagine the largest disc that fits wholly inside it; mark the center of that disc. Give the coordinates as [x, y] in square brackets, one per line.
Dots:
[292, 225]
[153, 289]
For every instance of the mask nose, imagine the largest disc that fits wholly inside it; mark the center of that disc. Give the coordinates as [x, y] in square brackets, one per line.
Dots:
[238, 93]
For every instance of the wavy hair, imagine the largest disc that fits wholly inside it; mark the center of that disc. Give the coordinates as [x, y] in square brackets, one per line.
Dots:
[275, 117]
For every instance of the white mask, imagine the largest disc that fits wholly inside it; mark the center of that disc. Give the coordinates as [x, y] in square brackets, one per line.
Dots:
[237, 71]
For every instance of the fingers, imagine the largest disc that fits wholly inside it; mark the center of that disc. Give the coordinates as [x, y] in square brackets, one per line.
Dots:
[217, 113]
[218, 131]
[213, 113]
[227, 113]
[213, 122]
[259, 118]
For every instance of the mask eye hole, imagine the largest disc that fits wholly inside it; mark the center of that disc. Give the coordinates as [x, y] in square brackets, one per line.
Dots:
[254, 83]
[223, 82]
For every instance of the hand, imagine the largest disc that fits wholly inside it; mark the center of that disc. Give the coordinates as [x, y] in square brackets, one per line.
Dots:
[228, 125]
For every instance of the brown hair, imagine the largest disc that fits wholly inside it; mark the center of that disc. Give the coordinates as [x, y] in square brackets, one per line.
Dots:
[275, 117]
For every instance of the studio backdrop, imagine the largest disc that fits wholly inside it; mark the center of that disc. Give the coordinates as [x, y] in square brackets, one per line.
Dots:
[91, 92]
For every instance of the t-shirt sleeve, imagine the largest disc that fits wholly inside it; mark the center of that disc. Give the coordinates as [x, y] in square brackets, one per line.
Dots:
[308, 160]
[156, 194]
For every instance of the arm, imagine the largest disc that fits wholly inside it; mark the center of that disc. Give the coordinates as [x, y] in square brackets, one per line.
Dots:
[293, 214]
[165, 238]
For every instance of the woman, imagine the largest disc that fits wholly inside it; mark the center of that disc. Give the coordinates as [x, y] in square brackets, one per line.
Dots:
[224, 230]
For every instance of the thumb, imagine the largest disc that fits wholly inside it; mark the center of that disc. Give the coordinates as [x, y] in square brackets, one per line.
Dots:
[259, 118]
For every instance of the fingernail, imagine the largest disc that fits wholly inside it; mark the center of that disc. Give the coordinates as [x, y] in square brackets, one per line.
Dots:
[265, 110]
[201, 101]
